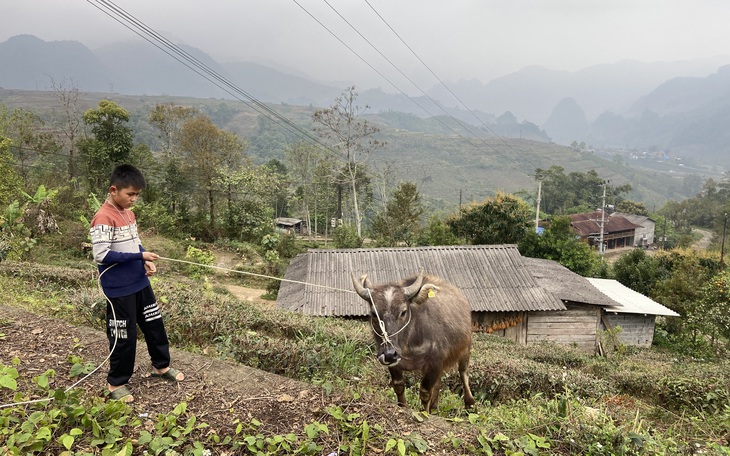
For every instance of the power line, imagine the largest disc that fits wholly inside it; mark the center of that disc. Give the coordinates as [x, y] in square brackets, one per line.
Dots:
[444, 84]
[383, 76]
[174, 51]
[500, 155]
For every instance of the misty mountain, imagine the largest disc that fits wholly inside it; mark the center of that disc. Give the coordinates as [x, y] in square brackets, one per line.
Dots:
[567, 122]
[533, 92]
[686, 117]
[682, 106]
[31, 63]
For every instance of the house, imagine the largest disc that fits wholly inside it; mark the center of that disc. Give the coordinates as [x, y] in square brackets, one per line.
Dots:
[636, 314]
[524, 299]
[617, 230]
[645, 234]
[290, 225]
[594, 305]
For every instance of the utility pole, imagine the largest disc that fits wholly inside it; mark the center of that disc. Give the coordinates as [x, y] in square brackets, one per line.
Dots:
[537, 209]
[722, 248]
[603, 218]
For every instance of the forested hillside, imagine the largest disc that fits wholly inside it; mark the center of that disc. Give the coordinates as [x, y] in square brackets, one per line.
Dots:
[450, 162]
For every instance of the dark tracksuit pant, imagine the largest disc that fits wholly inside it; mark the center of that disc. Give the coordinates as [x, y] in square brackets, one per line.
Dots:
[136, 309]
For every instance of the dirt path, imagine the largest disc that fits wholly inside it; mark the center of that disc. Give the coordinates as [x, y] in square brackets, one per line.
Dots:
[703, 243]
[216, 391]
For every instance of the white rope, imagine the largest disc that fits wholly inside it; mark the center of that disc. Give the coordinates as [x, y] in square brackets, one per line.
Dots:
[254, 274]
[116, 337]
[381, 323]
[116, 332]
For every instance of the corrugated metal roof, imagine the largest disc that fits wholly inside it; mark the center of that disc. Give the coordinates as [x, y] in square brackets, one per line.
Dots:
[590, 223]
[493, 277]
[566, 284]
[639, 220]
[631, 301]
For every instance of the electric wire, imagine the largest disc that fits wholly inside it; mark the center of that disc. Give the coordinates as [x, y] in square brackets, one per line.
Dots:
[388, 80]
[435, 102]
[174, 51]
[442, 82]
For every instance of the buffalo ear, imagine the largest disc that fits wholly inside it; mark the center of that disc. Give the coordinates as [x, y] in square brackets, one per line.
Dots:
[428, 290]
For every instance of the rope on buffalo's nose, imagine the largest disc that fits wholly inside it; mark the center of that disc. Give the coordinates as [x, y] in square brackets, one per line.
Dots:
[384, 335]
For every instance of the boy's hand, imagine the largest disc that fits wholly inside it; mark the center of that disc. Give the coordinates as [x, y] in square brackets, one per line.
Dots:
[149, 268]
[149, 256]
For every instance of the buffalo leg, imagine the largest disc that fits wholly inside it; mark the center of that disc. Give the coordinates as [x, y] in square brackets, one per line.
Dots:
[464, 375]
[430, 386]
[398, 384]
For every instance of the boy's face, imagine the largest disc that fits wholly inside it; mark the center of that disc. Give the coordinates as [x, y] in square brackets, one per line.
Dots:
[124, 197]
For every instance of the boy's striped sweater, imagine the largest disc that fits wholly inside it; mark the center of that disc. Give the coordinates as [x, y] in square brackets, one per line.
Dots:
[115, 242]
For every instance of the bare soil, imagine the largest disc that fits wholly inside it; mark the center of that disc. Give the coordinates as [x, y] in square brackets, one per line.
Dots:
[217, 392]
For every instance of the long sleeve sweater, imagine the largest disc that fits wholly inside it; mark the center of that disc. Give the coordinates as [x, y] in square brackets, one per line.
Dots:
[115, 242]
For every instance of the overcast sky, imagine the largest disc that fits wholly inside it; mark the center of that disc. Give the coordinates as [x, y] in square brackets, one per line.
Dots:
[457, 39]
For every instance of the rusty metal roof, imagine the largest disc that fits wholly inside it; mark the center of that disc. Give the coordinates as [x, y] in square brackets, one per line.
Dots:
[589, 223]
[493, 277]
[566, 284]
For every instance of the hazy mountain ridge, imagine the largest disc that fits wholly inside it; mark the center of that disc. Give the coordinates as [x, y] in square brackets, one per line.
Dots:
[666, 105]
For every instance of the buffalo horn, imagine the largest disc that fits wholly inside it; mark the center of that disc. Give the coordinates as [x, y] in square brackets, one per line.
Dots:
[411, 290]
[359, 288]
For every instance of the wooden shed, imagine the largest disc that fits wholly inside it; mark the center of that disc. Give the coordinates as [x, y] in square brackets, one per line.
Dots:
[580, 323]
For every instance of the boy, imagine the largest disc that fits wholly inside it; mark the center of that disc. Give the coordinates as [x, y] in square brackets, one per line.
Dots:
[125, 268]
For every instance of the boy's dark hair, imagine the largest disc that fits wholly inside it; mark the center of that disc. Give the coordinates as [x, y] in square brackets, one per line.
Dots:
[125, 176]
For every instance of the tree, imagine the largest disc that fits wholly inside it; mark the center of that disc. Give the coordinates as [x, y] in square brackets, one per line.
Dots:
[111, 143]
[304, 159]
[31, 145]
[210, 153]
[175, 183]
[399, 222]
[249, 213]
[639, 271]
[715, 304]
[503, 219]
[437, 232]
[67, 95]
[682, 292]
[169, 119]
[559, 243]
[352, 138]
[632, 207]
[575, 192]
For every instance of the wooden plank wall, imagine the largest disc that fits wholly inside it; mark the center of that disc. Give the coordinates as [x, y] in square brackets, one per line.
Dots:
[636, 329]
[575, 326]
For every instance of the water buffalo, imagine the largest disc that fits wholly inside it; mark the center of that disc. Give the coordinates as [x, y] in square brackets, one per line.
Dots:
[420, 324]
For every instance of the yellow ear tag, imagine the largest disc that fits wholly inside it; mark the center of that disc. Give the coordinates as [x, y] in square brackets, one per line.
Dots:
[431, 293]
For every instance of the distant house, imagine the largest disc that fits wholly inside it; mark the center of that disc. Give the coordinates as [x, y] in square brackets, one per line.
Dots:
[290, 225]
[524, 299]
[617, 230]
[645, 233]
